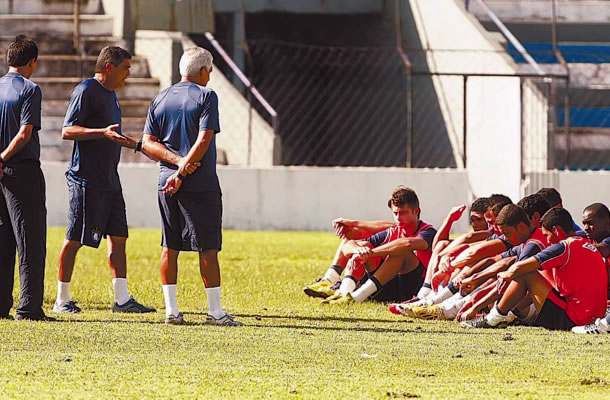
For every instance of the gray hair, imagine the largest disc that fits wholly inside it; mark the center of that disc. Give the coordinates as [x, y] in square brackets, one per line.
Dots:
[193, 59]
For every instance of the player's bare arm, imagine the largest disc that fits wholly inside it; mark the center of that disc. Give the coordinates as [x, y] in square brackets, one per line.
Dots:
[400, 247]
[18, 142]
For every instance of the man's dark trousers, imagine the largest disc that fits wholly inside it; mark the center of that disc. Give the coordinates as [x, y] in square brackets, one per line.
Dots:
[23, 228]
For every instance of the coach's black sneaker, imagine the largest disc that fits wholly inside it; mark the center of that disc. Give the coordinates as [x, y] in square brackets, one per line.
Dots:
[132, 306]
[7, 316]
[21, 317]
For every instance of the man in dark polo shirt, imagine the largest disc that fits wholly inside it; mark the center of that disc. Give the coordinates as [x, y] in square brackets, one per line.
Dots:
[97, 208]
[180, 131]
[23, 214]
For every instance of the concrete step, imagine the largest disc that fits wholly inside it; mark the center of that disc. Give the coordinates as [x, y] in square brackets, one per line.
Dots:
[60, 25]
[50, 65]
[61, 88]
[129, 108]
[588, 11]
[590, 96]
[129, 125]
[91, 45]
[537, 32]
[48, 6]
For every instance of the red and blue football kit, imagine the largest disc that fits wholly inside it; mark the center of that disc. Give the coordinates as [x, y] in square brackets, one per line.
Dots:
[579, 278]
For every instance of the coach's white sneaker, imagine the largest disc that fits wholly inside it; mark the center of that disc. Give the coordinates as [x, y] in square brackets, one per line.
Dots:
[225, 320]
[175, 320]
[599, 326]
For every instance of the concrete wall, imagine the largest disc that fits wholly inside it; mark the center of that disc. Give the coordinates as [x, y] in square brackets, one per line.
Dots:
[284, 198]
[308, 198]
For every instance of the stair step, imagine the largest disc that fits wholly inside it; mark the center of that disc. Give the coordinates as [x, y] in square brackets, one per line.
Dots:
[60, 25]
[50, 65]
[49, 7]
[61, 88]
[92, 45]
[129, 108]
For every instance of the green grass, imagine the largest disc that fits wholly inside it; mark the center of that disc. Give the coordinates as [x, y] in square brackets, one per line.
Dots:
[292, 347]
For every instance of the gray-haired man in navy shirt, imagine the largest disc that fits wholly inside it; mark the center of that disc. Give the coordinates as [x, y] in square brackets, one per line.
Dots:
[97, 207]
[23, 214]
[180, 131]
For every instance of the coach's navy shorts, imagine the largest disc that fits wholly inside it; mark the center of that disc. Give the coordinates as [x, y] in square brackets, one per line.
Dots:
[94, 214]
[192, 221]
[552, 316]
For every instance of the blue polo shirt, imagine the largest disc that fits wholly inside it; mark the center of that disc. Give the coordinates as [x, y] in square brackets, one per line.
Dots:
[20, 104]
[175, 118]
[94, 162]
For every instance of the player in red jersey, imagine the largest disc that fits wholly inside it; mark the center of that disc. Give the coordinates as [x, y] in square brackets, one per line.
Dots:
[577, 294]
[393, 260]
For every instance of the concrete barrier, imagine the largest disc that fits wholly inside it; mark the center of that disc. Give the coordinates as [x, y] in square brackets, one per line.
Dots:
[283, 198]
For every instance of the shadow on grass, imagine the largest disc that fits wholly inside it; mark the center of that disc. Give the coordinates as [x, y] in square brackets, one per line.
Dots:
[306, 318]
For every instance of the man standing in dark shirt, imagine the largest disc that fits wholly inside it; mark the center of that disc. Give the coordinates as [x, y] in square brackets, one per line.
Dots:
[180, 131]
[23, 214]
[97, 207]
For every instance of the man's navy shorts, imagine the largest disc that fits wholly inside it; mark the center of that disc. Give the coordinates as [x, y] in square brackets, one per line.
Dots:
[192, 221]
[94, 214]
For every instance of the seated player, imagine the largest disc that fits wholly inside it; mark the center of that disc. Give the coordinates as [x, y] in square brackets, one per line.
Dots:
[554, 198]
[442, 241]
[393, 260]
[525, 245]
[347, 230]
[487, 241]
[576, 293]
[526, 239]
[596, 220]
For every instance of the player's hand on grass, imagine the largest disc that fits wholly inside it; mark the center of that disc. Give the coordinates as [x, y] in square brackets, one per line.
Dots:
[172, 184]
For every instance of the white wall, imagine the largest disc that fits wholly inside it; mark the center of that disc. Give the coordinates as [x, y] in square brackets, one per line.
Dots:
[284, 198]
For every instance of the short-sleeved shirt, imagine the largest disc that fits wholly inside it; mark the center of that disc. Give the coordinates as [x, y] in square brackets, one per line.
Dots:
[424, 231]
[533, 245]
[20, 104]
[495, 236]
[94, 162]
[579, 276]
[175, 118]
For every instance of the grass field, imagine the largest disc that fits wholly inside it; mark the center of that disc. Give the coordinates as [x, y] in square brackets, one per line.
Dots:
[292, 347]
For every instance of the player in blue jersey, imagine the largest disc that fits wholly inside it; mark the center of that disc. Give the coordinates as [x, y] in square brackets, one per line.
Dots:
[23, 214]
[180, 131]
[97, 207]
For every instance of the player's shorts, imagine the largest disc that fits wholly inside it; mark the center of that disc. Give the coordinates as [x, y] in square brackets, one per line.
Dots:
[94, 214]
[553, 313]
[192, 221]
[402, 287]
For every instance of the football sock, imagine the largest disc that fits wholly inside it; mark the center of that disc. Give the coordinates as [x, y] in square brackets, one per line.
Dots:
[214, 306]
[366, 290]
[442, 295]
[171, 306]
[63, 292]
[531, 315]
[348, 285]
[495, 317]
[425, 290]
[332, 275]
[121, 295]
[452, 288]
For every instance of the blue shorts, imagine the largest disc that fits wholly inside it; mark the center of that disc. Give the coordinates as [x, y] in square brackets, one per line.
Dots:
[192, 221]
[94, 214]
